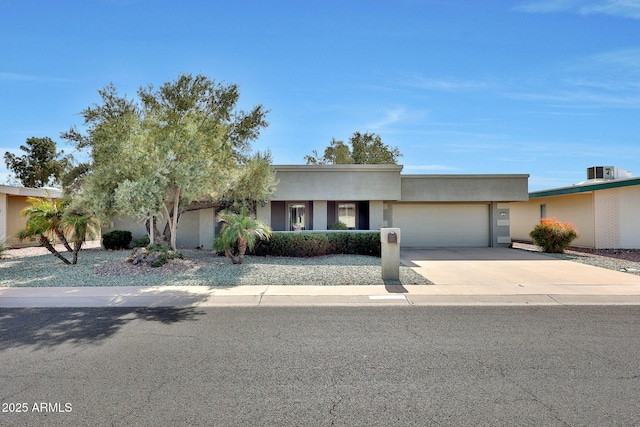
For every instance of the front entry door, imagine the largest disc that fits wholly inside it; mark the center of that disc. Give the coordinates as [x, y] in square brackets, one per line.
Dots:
[297, 220]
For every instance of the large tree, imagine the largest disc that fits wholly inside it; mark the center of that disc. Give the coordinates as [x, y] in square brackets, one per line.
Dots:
[362, 148]
[41, 165]
[176, 148]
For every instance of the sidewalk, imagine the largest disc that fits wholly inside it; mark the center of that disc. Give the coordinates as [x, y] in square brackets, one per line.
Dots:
[498, 294]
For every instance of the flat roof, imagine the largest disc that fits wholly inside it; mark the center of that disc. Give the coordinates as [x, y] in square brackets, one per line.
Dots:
[465, 176]
[348, 167]
[586, 187]
[33, 192]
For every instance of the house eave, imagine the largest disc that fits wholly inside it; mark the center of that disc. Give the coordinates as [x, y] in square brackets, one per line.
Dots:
[585, 187]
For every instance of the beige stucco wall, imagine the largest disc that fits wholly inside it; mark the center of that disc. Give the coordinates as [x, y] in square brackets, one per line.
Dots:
[577, 209]
[617, 221]
[3, 217]
[376, 214]
[12, 201]
[15, 204]
[464, 188]
[606, 220]
[629, 217]
[195, 228]
[337, 182]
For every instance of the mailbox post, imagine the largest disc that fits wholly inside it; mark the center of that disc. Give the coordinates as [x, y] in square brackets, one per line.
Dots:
[390, 253]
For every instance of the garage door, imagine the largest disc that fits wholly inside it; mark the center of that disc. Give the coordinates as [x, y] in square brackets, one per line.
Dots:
[442, 225]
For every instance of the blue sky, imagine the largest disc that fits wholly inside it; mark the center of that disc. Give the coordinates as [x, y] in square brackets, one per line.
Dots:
[547, 88]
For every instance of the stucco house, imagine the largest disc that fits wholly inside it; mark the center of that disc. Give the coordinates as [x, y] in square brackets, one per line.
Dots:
[431, 210]
[12, 200]
[604, 209]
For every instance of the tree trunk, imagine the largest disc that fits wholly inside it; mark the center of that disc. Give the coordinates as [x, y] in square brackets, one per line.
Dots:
[77, 245]
[174, 220]
[158, 237]
[47, 244]
[230, 255]
[63, 239]
[242, 248]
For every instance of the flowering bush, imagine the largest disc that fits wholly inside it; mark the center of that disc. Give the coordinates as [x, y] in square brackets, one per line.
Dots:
[553, 236]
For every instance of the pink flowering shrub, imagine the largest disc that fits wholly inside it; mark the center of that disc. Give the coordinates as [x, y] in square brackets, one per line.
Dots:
[553, 236]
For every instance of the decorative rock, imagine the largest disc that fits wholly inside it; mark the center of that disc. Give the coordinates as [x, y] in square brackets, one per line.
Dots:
[139, 258]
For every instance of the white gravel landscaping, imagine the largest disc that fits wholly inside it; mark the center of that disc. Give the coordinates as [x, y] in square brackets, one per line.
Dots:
[97, 267]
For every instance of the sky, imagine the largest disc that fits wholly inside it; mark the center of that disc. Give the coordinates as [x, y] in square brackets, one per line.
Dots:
[539, 87]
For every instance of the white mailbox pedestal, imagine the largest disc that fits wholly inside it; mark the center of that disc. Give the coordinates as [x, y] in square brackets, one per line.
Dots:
[390, 253]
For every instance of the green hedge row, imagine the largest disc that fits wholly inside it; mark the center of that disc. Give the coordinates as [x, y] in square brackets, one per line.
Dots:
[320, 243]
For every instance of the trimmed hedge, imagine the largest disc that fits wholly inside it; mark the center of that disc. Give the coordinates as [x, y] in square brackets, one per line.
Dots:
[117, 239]
[301, 244]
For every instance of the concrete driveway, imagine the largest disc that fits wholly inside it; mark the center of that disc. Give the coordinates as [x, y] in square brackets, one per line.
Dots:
[504, 266]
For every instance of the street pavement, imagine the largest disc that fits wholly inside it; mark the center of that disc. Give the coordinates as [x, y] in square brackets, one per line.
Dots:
[320, 366]
[461, 276]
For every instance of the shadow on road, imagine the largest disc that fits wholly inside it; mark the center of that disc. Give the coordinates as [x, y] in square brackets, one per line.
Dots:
[47, 327]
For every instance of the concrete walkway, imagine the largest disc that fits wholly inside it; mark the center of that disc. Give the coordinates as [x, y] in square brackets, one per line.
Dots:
[485, 276]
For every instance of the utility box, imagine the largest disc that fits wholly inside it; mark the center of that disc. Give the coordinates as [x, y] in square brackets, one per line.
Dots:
[390, 253]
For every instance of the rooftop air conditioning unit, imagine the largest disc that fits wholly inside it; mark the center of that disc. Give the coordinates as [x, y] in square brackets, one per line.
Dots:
[607, 173]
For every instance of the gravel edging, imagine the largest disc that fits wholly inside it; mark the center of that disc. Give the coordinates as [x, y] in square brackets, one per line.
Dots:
[97, 267]
[624, 260]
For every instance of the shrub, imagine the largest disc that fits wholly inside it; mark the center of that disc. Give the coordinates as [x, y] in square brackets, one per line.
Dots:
[339, 226]
[116, 239]
[317, 244]
[141, 242]
[552, 235]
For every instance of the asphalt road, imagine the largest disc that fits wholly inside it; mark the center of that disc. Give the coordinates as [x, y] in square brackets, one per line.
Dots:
[321, 366]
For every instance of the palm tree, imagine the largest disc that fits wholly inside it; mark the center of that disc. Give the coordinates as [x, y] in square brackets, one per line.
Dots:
[47, 218]
[239, 233]
[44, 218]
[81, 226]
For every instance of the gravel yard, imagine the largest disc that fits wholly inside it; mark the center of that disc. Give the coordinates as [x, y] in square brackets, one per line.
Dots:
[35, 267]
[625, 260]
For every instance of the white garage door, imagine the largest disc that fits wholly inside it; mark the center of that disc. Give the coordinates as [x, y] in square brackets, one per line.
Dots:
[442, 225]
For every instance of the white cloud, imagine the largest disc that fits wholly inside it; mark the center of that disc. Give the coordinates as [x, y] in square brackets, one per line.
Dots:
[608, 79]
[622, 8]
[16, 77]
[394, 116]
[546, 6]
[390, 117]
[416, 80]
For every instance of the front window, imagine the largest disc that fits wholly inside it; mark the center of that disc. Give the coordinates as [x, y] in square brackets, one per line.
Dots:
[297, 220]
[347, 214]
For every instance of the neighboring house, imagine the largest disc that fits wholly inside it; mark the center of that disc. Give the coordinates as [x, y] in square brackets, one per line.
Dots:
[430, 210]
[604, 209]
[12, 201]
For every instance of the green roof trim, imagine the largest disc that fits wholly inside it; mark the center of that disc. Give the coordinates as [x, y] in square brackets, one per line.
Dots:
[584, 188]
